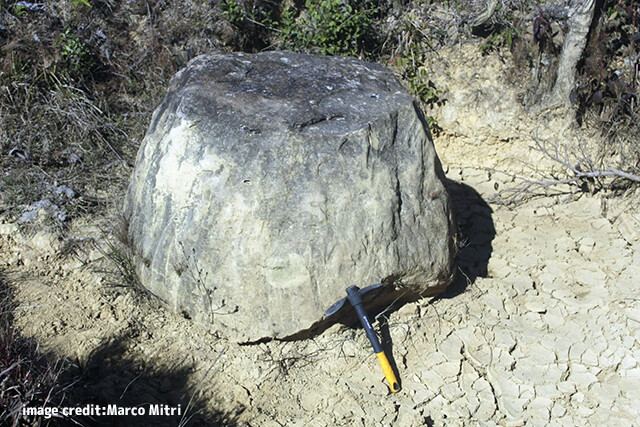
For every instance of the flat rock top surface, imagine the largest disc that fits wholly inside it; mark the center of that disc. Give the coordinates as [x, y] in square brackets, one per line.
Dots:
[272, 90]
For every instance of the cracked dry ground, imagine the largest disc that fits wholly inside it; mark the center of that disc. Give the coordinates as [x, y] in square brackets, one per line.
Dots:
[546, 331]
[550, 335]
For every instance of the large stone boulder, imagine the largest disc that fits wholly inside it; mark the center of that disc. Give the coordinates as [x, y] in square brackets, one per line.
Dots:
[268, 183]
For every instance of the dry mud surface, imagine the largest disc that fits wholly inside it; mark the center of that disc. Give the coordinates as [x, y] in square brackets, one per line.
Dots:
[541, 327]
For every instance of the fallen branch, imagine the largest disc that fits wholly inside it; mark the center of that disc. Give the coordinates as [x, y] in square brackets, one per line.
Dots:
[577, 170]
[580, 167]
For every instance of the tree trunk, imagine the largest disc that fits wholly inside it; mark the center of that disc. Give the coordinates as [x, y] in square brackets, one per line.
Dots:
[580, 17]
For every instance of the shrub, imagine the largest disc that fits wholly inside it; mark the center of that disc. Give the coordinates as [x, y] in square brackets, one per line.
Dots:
[76, 52]
[330, 27]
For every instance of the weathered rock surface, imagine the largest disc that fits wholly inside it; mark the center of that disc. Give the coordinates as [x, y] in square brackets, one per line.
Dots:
[268, 183]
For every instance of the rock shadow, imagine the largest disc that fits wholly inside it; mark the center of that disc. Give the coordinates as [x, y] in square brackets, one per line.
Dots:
[109, 377]
[476, 232]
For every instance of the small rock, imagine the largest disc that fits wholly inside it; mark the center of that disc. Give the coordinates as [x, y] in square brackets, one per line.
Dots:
[451, 391]
[432, 380]
[503, 338]
[566, 387]
[582, 379]
[422, 396]
[503, 385]
[631, 373]
[584, 412]
[499, 268]
[578, 397]
[516, 422]
[513, 406]
[542, 355]
[539, 409]
[63, 190]
[554, 317]
[586, 245]
[589, 357]
[487, 407]
[409, 417]
[628, 362]
[549, 391]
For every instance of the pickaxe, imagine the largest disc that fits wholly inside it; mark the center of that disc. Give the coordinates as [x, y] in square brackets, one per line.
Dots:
[354, 295]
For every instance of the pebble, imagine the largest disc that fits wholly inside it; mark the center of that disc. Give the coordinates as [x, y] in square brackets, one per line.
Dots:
[549, 391]
[589, 357]
[536, 304]
[502, 384]
[422, 396]
[628, 362]
[582, 379]
[487, 407]
[539, 410]
[541, 354]
[504, 339]
[432, 380]
[451, 391]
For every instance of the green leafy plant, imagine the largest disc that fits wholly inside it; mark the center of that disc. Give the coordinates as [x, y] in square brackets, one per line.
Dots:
[418, 79]
[411, 66]
[232, 12]
[19, 10]
[329, 27]
[75, 51]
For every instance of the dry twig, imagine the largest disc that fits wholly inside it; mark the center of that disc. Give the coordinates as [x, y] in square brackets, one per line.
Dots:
[578, 166]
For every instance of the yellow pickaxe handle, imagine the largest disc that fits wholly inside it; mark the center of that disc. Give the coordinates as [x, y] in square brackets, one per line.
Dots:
[388, 372]
[353, 294]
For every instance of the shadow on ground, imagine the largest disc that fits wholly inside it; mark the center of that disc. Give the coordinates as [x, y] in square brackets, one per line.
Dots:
[476, 232]
[108, 378]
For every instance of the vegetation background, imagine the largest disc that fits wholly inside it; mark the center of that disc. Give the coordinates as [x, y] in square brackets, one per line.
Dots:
[79, 80]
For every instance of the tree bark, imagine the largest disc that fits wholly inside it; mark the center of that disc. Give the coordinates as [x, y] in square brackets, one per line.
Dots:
[580, 17]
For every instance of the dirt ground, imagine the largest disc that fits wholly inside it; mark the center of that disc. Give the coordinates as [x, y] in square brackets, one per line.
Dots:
[542, 325]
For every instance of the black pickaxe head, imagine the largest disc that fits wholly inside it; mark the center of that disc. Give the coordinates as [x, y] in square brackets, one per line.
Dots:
[367, 292]
[355, 296]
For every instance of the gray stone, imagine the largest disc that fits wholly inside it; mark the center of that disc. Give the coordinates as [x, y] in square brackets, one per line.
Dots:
[268, 183]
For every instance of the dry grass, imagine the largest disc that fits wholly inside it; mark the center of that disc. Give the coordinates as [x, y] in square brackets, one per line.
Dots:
[77, 89]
